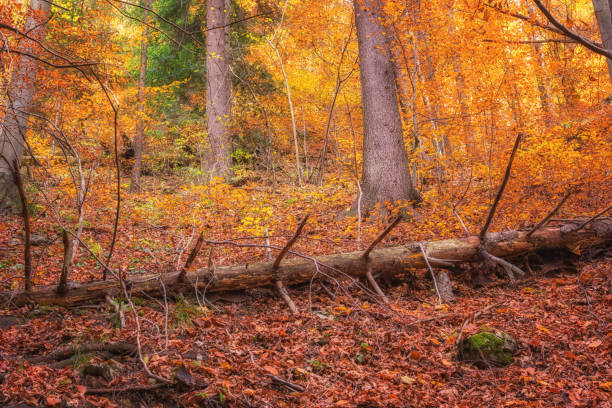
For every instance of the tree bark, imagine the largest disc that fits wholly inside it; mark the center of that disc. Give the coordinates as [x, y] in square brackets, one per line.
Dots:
[604, 21]
[389, 261]
[142, 82]
[218, 155]
[19, 101]
[386, 173]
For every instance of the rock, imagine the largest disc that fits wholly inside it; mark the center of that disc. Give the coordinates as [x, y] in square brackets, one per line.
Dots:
[488, 349]
[6, 322]
[38, 240]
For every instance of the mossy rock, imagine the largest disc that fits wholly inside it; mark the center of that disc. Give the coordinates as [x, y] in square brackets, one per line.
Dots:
[488, 349]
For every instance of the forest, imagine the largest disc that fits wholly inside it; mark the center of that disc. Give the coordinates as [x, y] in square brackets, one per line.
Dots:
[305, 203]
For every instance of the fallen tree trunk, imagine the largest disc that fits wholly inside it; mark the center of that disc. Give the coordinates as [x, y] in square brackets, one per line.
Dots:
[390, 261]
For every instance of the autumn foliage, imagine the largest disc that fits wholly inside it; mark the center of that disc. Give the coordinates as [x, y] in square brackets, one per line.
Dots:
[470, 76]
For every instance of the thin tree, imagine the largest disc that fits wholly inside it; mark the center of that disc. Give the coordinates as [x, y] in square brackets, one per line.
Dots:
[18, 102]
[142, 80]
[385, 174]
[218, 155]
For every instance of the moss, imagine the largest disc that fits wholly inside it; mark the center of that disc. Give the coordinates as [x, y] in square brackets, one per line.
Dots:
[484, 340]
[487, 348]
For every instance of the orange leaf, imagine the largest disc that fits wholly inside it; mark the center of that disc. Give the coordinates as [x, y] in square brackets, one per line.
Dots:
[271, 370]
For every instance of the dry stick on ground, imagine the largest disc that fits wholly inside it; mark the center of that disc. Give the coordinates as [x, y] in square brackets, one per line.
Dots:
[493, 260]
[433, 275]
[366, 254]
[279, 283]
[192, 256]
[67, 352]
[138, 344]
[25, 214]
[128, 388]
[290, 385]
[550, 214]
[61, 287]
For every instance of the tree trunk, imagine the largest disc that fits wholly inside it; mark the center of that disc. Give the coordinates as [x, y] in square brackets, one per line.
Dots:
[19, 101]
[386, 175]
[604, 21]
[142, 81]
[218, 155]
[389, 261]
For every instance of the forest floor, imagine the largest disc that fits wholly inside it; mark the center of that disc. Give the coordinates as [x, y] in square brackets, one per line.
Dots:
[348, 349]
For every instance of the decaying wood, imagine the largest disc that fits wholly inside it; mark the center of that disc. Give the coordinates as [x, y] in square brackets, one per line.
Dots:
[390, 260]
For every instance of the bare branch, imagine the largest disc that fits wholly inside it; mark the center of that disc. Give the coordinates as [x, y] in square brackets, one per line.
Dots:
[596, 48]
[500, 192]
[381, 236]
[550, 214]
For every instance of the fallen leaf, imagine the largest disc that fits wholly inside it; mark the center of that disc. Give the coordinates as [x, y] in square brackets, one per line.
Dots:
[271, 370]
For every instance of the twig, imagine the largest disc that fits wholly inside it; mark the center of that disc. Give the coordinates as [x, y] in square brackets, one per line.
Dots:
[599, 214]
[279, 283]
[127, 388]
[500, 192]
[381, 236]
[138, 344]
[290, 243]
[507, 266]
[286, 383]
[550, 214]
[433, 275]
[571, 34]
[285, 295]
[467, 232]
[191, 257]
[374, 285]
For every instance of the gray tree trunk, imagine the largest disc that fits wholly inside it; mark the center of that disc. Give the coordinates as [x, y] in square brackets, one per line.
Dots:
[142, 82]
[386, 173]
[218, 90]
[604, 21]
[19, 99]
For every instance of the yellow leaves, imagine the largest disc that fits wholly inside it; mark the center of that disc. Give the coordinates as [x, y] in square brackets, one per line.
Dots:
[543, 329]
[606, 386]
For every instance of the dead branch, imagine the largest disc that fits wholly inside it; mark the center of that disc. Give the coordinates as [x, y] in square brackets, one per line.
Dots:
[279, 283]
[550, 214]
[381, 236]
[192, 256]
[500, 192]
[290, 243]
[596, 48]
[599, 214]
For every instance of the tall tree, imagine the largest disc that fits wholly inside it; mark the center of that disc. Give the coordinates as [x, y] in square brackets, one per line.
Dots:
[604, 21]
[18, 102]
[218, 90]
[142, 80]
[386, 175]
